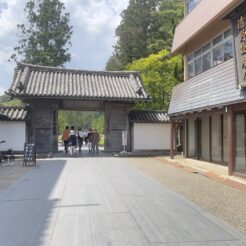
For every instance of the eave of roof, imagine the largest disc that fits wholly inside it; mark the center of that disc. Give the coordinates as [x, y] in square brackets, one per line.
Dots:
[14, 113]
[80, 98]
[148, 116]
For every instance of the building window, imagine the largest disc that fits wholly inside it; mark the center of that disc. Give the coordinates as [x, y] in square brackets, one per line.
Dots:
[228, 50]
[217, 55]
[206, 57]
[192, 148]
[218, 50]
[190, 5]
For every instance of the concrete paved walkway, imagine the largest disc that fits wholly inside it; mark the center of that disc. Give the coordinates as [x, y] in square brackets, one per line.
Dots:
[102, 201]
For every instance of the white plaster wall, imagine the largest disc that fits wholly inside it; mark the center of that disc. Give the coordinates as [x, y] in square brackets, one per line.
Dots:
[14, 133]
[151, 136]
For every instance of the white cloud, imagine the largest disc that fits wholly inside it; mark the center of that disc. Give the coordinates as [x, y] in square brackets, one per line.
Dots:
[1, 91]
[10, 17]
[96, 15]
[93, 21]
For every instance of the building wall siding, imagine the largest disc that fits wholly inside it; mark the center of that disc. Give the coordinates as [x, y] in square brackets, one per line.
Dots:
[215, 87]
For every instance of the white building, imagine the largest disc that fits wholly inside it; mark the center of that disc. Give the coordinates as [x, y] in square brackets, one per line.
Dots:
[13, 128]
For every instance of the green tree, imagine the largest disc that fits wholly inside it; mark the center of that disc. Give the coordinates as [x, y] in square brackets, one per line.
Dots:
[85, 120]
[5, 100]
[160, 73]
[113, 64]
[98, 123]
[163, 22]
[132, 33]
[45, 38]
[146, 27]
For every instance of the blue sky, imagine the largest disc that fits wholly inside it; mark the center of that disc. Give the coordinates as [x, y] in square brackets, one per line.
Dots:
[93, 21]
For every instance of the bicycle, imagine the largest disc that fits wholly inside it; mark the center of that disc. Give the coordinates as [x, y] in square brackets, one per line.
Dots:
[9, 155]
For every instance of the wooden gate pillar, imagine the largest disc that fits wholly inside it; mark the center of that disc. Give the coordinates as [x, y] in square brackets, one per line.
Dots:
[231, 140]
[171, 140]
[116, 121]
[44, 125]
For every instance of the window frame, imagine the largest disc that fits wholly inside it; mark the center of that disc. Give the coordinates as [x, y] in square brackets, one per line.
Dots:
[187, 9]
[191, 57]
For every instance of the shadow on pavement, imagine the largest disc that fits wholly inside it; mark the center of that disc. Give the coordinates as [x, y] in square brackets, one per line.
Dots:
[27, 208]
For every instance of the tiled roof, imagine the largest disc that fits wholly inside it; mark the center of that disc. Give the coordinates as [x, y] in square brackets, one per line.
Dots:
[39, 81]
[148, 116]
[11, 113]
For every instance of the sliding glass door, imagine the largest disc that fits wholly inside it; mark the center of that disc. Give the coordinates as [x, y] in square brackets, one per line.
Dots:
[192, 146]
[240, 163]
[225, 139]
[205, 138]
[216, 138]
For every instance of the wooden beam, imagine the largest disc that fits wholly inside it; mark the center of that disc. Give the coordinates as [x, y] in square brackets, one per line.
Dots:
[210, 138]
[186, 138]
[222, 137]
[197, 114]
[198, 138]
[239, 107]
[231, 140]
[171, 140]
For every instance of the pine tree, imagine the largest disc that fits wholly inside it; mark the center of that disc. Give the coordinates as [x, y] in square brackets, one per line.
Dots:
[113, 64]
[132, 32]
[147, 27]
[45, 39]
[163, 22]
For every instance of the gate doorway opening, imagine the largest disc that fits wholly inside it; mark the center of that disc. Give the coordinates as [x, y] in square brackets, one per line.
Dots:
[50, 89]
[82, 121]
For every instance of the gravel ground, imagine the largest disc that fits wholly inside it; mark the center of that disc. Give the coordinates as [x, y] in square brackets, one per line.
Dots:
[9, 174]
[222, 201]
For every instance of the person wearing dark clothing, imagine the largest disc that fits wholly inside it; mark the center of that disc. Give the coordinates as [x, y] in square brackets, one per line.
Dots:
[72, 142]
[80, 137]
[89, 139]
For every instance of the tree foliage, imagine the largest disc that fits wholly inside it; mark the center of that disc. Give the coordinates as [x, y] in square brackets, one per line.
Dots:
[132, 33]
[85, 120]
[45, 38]
[144, 42]
[5, 100]
[147, 27]
[162, 25]
[159, 73]
[113, 64]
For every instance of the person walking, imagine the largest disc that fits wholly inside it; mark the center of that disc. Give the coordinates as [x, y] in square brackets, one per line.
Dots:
[72, 141]
[80, 138]
[95, 141]
[89, 137]
[65, 136]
